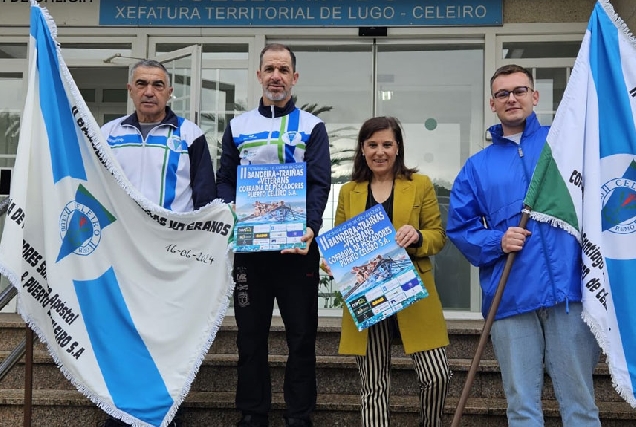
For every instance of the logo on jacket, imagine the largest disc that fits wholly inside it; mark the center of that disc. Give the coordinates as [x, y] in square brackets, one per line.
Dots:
[618, 196]
[291, 137]
[174, 143]
[81, 224]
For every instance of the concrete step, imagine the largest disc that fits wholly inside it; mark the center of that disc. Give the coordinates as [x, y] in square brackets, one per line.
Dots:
[335, 375]
[211, 402]
[65, 408]
[464, 337]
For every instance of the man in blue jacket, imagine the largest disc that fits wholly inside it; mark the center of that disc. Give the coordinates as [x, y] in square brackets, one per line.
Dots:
[539, 319]
[277, 132]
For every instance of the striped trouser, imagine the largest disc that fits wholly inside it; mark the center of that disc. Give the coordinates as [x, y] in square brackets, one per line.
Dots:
[431, 367]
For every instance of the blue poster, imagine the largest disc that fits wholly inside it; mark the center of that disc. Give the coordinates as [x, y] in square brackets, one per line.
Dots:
[374, 275]
[270, 207]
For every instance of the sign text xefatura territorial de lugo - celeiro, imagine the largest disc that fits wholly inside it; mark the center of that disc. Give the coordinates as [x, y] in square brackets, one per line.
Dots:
[290, 13]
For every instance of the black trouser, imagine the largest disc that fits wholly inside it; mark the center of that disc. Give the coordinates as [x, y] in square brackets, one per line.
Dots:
[293, 280]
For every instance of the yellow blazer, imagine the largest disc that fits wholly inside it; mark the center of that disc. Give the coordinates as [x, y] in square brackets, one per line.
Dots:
[422, 325]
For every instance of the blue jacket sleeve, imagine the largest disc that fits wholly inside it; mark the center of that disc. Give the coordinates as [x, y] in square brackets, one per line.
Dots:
[318, 162]
[201, 173]
[466, 226]
[226, 175]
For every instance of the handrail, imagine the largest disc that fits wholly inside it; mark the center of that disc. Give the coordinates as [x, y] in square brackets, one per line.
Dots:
[12, 359]
[7, 295]
[9, 292]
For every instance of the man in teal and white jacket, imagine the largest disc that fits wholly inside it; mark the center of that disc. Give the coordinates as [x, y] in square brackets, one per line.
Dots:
[277, 132]
[164, 156]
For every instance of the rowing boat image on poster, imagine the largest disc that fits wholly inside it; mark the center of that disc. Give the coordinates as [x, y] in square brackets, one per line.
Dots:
[270, 207]
[374, 275]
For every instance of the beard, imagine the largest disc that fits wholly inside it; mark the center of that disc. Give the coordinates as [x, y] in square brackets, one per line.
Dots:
[275, 96]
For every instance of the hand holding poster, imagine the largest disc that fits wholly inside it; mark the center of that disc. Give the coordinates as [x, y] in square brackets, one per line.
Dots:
[270, 206]
[375, 276]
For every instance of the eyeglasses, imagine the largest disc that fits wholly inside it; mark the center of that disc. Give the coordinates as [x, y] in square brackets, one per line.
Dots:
[518, 92]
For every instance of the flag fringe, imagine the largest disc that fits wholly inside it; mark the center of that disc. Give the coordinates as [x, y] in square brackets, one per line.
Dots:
[625, 392]
[556, 222]
[618, 21]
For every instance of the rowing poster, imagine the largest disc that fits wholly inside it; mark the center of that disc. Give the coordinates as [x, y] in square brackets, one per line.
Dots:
[374, 275]
[270, 207]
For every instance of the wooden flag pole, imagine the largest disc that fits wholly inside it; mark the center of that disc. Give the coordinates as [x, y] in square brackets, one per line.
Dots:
[28, 378]
[485, 333]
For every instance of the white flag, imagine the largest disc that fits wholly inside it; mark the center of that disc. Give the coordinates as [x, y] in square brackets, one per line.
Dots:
[585, 182]
[127, 296]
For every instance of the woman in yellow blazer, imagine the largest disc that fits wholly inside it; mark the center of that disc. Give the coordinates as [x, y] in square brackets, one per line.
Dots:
[380, 176]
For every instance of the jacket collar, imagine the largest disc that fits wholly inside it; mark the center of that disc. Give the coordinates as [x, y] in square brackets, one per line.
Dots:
[403, 194]
[266, 110]
[170, 119]
[532, 125]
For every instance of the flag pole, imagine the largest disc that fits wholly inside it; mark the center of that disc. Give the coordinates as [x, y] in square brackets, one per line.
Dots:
[485, 333]
[28, 377]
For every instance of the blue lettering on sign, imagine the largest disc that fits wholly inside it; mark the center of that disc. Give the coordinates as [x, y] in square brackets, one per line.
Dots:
[300, 13]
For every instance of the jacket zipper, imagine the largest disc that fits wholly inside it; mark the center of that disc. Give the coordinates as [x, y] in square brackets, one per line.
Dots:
[271, 125]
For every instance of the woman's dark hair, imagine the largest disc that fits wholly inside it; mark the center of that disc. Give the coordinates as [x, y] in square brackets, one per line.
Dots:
[361, 171]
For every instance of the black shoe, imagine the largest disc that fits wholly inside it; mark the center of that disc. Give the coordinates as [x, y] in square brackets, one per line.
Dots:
[297, 422]
[251, 421]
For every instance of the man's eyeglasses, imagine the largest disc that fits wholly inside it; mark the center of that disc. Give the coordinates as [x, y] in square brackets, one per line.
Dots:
[518, 92]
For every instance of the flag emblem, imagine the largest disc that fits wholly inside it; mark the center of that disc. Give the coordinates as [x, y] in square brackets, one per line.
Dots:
[618, 196]
[81, 224]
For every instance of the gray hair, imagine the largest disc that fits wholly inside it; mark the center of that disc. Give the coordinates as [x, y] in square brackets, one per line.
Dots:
[150, 63]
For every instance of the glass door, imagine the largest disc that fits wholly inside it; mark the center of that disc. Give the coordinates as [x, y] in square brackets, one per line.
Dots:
[440, 106]
[225, 87]
[343, 100]
[425, 85]
[184, 69]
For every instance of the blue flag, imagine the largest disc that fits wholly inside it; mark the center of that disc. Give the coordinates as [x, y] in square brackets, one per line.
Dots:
[591, 152]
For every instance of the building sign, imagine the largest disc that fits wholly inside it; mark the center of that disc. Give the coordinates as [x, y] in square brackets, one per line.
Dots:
[301, 13]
